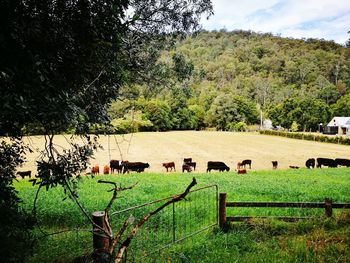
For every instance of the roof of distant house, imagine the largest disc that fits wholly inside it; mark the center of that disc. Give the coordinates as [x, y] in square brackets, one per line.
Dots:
[340, 121]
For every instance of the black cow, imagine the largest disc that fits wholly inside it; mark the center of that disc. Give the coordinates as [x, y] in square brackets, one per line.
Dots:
[246, 162]
[186, 167]
[274, 164]
[135, 166]
[25, 173]
[343, 162]
[189, 162]
[217, 166]
[115, 165]
[310, 163]
[326, 162]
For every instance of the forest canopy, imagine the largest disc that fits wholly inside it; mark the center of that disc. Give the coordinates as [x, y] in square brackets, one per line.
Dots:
[224, 79]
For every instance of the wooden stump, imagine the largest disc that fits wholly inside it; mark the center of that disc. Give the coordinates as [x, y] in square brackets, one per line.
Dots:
[100, 239]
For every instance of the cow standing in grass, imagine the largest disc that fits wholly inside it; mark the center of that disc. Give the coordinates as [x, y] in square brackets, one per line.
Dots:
[95, 169]
[326, 162]
[170, 166]
[25, 173]
[189, 162]
[310, 163]
[246, 162]
[342, 162]
[274, 164]
[115, 165]
[187, 168]
[134, 166]
[221, 166]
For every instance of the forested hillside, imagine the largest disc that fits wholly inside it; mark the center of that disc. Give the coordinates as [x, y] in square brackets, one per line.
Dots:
[228, 80]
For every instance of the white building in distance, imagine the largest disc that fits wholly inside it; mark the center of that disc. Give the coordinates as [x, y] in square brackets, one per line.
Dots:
[339, 126]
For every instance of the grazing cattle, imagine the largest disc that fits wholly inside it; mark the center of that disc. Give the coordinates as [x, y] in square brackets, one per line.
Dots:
[274, 164]
[25, 173]
[241, 171]
[190, 163]
[134, 166]
[246, 162]
[115, 165]
[294, 167]
[187, 160]
[326, 162]
[342, 162]
[186, 167]
[106, 169]
[221, 166]
[310, 163]
[170, 165]
[95, 169]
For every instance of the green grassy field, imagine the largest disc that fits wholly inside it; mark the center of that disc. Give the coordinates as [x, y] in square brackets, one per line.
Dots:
[319, 240]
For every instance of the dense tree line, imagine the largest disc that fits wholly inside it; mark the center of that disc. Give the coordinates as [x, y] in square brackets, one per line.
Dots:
[226, 80]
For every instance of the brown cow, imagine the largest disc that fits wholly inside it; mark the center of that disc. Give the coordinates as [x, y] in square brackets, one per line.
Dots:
[170, 165]
[294, 167]
[106, 169]
[25, 173]
[95, 169]
[241, 171]
[134, 166]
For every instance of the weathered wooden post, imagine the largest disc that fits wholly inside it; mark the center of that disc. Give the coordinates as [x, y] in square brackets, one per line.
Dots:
[222, 211]
[100, 239]
[328, 207]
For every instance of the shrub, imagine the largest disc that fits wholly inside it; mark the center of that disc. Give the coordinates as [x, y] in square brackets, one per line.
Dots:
[309, 137]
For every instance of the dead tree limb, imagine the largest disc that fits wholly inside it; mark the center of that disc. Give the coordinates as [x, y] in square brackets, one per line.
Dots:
[128, 240]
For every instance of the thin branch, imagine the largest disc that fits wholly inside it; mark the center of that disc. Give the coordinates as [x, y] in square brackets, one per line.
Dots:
[115, 190]
[82, 208]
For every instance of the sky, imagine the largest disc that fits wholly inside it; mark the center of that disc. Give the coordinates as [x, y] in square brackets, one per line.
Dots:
[327, 19]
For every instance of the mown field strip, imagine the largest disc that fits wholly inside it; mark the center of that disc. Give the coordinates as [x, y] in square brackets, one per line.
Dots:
[203, 146]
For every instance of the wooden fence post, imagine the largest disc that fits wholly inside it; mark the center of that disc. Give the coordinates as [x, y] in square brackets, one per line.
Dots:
[328, 207]
[100, 240]
[222, 210]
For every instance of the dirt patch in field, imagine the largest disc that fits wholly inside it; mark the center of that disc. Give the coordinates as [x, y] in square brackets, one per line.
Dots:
[203, 146]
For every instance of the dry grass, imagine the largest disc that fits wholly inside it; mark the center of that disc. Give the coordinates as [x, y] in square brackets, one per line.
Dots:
[202, 146]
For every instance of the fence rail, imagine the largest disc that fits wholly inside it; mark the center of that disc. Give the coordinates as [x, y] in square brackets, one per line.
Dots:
[328, 205]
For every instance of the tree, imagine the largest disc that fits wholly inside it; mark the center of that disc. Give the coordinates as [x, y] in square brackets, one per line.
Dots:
[307, 113]
[63, 62]
[341, 107]
[228, 108]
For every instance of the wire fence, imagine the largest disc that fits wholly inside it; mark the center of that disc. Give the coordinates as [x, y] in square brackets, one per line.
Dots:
[176, 222]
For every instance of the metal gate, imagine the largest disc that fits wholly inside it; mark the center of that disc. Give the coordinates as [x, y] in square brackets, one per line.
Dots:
[193, 215]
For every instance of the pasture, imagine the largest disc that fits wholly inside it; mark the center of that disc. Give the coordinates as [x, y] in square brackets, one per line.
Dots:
[203, 146]
[318, 240]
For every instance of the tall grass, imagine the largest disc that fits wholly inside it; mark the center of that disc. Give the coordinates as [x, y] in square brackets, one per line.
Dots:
[259, 242]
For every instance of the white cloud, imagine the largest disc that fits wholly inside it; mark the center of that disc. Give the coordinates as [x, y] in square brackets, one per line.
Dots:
[328, 19]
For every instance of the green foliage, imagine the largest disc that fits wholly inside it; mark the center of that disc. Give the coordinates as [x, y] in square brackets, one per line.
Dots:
[308, 136]
[307, 112]
[228, 108]
[16, 225]
[342, 107]
[294, 127]
[182, 68]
